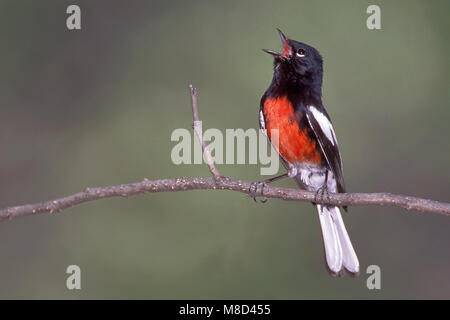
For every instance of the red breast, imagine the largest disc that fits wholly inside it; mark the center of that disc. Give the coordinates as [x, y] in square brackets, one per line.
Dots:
[294, 142]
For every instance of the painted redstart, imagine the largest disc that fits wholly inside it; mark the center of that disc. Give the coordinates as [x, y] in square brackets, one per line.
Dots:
[307, 142]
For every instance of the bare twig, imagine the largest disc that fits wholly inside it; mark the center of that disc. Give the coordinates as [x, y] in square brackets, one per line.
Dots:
[185, 184]
[221, 183]
[198, 131]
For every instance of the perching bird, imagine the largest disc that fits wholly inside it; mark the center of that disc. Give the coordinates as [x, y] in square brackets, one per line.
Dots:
[307, 143]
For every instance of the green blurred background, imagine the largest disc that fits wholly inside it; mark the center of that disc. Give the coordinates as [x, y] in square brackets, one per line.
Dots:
[97, 107]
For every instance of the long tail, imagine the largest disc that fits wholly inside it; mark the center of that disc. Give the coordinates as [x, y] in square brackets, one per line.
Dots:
[339, 252]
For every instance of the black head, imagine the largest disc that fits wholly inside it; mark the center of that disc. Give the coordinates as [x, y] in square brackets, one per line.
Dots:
[297, 64]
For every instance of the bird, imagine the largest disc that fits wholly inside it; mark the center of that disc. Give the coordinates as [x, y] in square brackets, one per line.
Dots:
[295, 121]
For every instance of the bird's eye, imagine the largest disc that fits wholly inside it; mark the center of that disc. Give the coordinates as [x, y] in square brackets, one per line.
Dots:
[301, 53]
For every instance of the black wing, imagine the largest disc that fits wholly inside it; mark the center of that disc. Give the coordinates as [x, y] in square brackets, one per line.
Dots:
[320, 123]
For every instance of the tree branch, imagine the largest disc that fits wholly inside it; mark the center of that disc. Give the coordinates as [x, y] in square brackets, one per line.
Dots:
[221, 183]
[198, 131]
[185, 184]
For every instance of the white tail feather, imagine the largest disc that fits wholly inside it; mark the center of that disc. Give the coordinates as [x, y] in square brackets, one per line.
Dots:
[339, 251]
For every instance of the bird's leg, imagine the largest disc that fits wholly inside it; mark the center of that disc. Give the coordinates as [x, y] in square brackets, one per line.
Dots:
[323, 190]
[255, 185]
[270, 180]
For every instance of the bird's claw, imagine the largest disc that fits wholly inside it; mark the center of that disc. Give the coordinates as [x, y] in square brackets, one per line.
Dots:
[253, 190]
[322, 193]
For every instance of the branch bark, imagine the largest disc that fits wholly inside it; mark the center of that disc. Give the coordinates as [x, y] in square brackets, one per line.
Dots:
[198, 131]
[185, 184]
[221, 183]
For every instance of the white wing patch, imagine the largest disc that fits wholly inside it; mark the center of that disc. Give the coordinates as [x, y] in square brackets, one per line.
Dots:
[261, 120]
[325, 124]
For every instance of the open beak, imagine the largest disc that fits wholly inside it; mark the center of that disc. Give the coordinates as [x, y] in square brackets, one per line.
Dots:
[286, 47]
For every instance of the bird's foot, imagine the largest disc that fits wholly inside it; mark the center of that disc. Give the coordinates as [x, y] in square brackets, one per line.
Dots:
[253, 190]
[322, 194]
